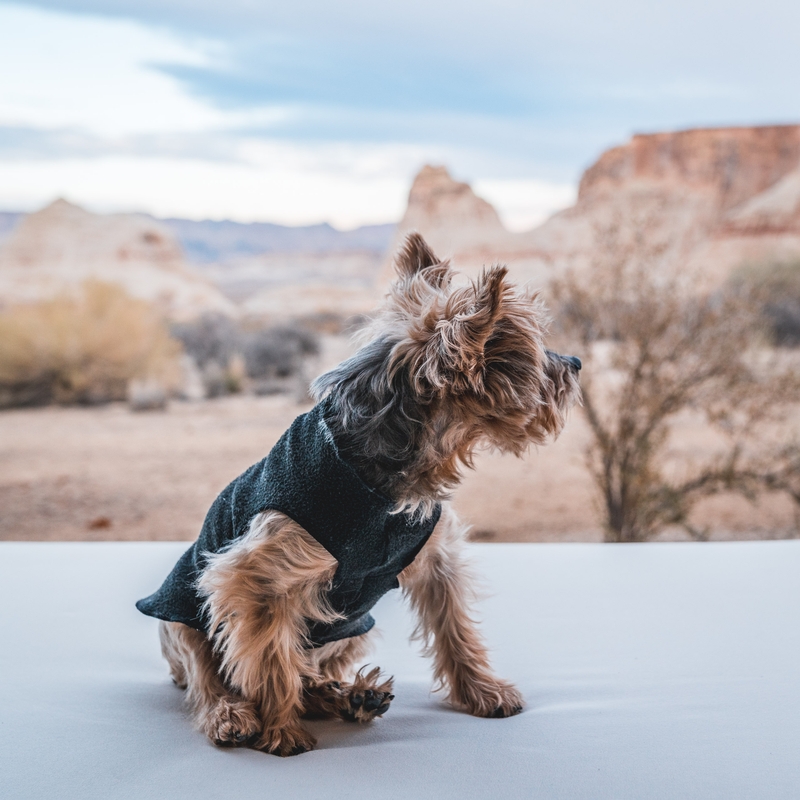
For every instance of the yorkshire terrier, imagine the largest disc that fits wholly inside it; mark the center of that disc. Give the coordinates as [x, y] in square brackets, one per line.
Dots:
[265, 616]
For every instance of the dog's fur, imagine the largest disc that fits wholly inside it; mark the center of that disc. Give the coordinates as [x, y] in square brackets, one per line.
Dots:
[445, 369]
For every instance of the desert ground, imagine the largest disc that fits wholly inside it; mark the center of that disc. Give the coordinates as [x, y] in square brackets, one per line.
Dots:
[107, 473]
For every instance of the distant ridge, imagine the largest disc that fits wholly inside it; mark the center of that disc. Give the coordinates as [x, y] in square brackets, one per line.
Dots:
[218, 241]
[8, 221]
[210, 241]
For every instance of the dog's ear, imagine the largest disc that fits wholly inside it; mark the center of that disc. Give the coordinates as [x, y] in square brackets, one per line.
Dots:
[416, 257]
[455, 353]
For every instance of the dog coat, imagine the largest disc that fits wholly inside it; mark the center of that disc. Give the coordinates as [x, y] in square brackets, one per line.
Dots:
[304, 478]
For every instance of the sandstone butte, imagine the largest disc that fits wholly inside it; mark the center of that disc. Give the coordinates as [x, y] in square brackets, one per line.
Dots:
[57, 248]
[712, 199]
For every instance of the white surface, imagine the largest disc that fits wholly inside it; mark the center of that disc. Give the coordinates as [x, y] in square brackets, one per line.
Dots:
[650, 671]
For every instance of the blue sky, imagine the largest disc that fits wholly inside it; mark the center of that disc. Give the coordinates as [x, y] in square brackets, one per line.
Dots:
[308, 110]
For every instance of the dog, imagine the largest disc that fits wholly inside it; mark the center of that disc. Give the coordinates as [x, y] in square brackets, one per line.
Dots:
[265, 617]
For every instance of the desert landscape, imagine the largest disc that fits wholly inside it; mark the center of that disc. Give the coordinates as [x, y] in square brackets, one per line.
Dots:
[716, 201]
[105, 473]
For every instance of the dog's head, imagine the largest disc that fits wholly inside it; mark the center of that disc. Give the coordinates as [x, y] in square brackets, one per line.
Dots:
[477, 350]
[447, 367]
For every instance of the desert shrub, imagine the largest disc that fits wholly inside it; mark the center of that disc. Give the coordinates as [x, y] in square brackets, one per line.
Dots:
[209, 338]
[776, 289]
[655, 346]
[232, 356]
[277, 352]
[82, 348]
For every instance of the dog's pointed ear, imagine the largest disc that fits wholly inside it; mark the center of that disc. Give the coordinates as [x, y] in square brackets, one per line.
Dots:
[456, 352]
[415, 256]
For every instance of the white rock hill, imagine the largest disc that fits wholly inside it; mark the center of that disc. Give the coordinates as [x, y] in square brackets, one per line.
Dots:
[55, 249]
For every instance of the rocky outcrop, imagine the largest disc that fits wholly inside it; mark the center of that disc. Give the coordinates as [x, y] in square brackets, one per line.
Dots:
[460, 225]
[732, 165]
[710, 199]
[62, 245]
[449, 214]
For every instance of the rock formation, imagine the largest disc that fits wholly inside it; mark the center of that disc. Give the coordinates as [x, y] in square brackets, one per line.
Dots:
[455, 221]
[732, 165]
[62, 245]
[449, 214]
[712, 199]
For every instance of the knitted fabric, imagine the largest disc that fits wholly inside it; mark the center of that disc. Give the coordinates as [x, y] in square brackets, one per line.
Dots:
[304, 478]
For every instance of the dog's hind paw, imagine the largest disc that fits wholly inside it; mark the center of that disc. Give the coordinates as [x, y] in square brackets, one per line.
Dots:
[487, 696]
[233, 723]
[365, 698]
[288, 741]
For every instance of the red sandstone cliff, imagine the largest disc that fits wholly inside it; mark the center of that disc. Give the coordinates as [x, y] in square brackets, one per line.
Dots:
[710, 199]
[733, 164]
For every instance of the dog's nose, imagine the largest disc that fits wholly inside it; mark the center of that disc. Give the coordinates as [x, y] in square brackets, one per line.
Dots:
[574, 361]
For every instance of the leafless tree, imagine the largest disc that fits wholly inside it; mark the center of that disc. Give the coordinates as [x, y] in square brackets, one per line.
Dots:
[657, 345]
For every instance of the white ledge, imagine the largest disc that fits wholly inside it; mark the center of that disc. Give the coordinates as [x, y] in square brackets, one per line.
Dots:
[650, 671]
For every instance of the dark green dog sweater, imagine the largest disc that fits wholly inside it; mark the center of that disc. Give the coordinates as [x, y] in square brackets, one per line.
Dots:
[305, 478]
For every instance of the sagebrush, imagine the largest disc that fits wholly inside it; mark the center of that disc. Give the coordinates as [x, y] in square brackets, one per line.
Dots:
[83, 347]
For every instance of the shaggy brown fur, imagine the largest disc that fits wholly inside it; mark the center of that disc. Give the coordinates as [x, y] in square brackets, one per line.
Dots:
[446, 369]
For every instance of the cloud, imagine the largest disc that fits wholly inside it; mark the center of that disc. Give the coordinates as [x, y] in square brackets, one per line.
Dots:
[336, 69]
[91, 74]
[509, 93]
[279, 182]
[29, 143]
[579, 37]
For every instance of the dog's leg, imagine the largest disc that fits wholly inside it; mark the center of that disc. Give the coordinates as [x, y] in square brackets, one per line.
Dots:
[438, 586]
[226, 719]
[260, 593]
[360, 700]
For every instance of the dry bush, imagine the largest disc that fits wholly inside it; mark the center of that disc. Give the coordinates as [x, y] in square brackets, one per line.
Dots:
[212, 341]
[655, 348]
[277, 352]
[232, 356]
[82, 348]
[209, 338]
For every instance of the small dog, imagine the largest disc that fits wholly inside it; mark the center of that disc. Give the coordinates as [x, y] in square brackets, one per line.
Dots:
[265, 616]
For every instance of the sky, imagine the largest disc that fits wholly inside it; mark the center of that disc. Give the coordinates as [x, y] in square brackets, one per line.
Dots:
[307, 111]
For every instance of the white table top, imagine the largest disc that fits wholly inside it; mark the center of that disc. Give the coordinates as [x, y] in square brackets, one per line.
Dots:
[650, 671]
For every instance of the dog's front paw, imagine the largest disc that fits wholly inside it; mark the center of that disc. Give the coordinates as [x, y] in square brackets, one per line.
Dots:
[232, 723]
[488, 697]
[290, 740]
[178, 676]
[365, 698]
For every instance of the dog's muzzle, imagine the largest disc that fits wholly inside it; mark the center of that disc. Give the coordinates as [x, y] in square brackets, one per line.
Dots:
[573, 361]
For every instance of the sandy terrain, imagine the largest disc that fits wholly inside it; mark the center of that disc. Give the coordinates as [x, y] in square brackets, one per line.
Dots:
[109, 473]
